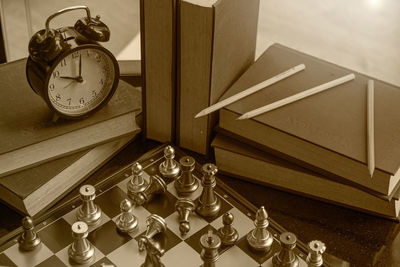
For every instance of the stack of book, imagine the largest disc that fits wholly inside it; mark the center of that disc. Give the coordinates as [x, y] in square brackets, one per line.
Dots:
[42, 160]
[316, 146]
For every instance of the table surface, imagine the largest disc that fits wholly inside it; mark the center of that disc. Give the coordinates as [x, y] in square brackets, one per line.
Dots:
[361, 239]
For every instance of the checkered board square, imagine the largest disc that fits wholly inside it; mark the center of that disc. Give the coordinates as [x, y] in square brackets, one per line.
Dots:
[115, 249]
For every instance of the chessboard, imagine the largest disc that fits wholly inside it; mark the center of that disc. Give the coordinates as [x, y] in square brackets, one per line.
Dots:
[180, 247]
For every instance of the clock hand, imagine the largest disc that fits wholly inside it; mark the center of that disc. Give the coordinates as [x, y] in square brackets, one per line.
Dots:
[78, 79]
[68, 84]
[80, 66]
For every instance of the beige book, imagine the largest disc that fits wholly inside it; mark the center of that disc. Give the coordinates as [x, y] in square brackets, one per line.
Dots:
[216, 41]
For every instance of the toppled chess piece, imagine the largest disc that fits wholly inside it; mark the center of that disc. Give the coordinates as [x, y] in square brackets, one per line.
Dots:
[29, 239]
[208, 204]
[126, 221]
[210, 243]
[89, 212]
[315, 250]
[227, 233]
[136, 184]
[186, 183]
[169, 168]
[80, 251]
[259, 238]
[156, 186]
[286, 257]
[154, 251]
[155, 225]
[184, 207]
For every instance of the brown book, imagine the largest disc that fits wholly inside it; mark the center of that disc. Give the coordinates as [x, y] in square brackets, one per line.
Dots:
[29, 135]
[248, 163]
[32, 190]
[158, 57]
[326, 132]
[216, 41]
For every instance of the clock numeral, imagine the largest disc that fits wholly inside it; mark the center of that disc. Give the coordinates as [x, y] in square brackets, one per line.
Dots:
[82, 101]
[69, 101]
[51, 87]
[63, 63]
[88, 53]
[94, 94]
[56, 74]
[101, 81]
[98, 58]
[58, 97]
[75, 55]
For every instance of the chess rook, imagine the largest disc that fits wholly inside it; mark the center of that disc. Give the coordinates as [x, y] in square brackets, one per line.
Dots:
[126, 221]
[210, 243]
[259, 238]
[208, 204]
[186, 183]
[227, 233]
[184, 208]
[286, 257]
[29, 239]
[155, 186]
[136, 184]
[89, 212]
[169, 168]
[80, 251]
[315, 250]
[155, 225]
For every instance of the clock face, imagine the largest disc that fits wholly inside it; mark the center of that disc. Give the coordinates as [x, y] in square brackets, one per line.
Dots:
[81, 81]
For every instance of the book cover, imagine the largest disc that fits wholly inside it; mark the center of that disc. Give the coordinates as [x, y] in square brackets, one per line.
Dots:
[216, 41]
[245, 162]
[325, 132]
[158, 58]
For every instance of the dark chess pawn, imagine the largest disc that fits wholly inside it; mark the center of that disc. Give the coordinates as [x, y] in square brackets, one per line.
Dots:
[80, 251]
[210, 243]
[89, 212]
[286, 257]
[136, 184]
[186, 183]
[208, 204]
[315, 250]
[28, 240]
[169, 168]
[227, 233]
[155, 186]
[154, 252]
[126, 221]
[184, 207]
[259, 238]
[155, 225]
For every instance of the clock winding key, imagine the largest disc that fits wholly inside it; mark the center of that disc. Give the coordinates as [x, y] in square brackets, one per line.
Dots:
[89, 212]
[169, 168]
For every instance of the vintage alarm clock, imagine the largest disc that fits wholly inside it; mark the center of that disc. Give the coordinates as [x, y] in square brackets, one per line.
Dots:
[69, 69]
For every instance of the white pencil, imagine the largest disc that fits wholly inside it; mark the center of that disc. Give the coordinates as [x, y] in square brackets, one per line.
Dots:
[250, 90]
[370, 127]
[296, 97]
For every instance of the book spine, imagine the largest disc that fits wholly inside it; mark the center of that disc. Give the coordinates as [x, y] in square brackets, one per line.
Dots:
[158, 35]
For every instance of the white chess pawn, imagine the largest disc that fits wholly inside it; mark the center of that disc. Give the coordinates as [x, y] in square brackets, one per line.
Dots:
[28, 240]
[169, 168]
[126, 221]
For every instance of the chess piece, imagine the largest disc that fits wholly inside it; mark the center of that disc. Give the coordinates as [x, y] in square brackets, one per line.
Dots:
[184, 207]
[286, 257]
[89, 212]
[29, 239]
[169, 168]
[210, 243]
[156, 186]
[154, 251]
[155, 225]
[227, 233]
[259, 238]
[315, 250]
[186, 183]
[126, 221]
[208, 204]
[136, 184]
[80, 251]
